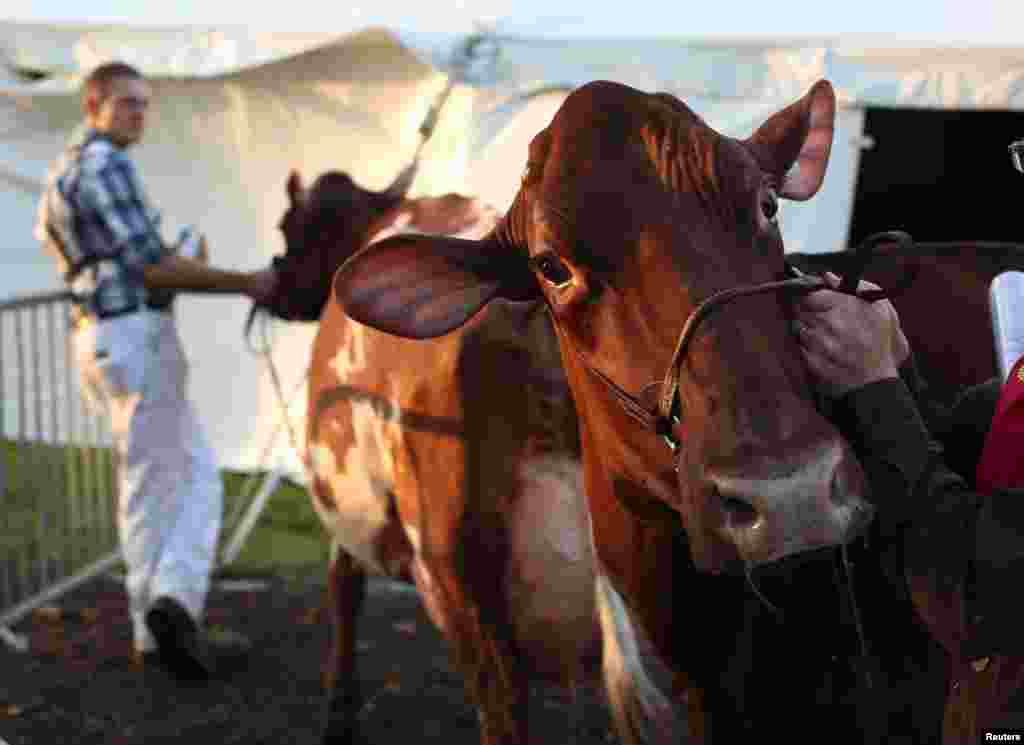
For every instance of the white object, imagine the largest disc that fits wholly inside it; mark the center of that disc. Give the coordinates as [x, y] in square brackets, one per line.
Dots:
[1006, 298]
[248, 522]
[17, 642]
[189, 240]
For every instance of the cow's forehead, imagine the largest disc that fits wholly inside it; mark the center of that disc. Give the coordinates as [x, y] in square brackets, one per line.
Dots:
[611, 147]
[606, 130]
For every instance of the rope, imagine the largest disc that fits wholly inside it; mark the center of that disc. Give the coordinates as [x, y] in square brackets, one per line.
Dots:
[266, 352]
[249, 486]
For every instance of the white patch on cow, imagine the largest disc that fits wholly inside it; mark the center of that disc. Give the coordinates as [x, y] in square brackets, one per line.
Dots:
[643, 711]
[551, 567]
[351, 356]
[358, 513]
[359, 479]
[557, 515]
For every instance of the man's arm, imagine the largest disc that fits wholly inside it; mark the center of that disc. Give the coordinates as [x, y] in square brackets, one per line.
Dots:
[181, 274]
[955, 541]
[114, 195]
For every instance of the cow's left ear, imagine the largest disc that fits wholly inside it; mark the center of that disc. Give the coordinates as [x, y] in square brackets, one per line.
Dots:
[423, 286]
[794, 144]
[293, 186]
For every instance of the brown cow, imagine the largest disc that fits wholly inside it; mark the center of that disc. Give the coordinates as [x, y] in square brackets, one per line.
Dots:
[451, 462]
[631, 215]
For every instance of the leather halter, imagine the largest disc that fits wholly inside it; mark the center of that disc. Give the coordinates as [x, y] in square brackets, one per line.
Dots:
[663, 419]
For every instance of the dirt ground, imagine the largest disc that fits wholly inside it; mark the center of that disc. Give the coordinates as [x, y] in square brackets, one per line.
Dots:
[77, 685]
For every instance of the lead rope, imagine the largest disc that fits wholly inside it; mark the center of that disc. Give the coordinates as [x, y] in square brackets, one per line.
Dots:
[871, 705]
[748, 573]
[266, 352]
[247, 491]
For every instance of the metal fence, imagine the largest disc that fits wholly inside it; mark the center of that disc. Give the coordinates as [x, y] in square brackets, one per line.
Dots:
[57, 485]
[57, 479]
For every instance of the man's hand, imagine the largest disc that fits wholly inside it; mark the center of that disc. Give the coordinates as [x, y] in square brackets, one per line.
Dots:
[203, 255]
[848, 342]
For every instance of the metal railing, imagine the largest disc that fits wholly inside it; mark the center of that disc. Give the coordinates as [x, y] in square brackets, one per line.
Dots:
[57, 485]
[58, 489]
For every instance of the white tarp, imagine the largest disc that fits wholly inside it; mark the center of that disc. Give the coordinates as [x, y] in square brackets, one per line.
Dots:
[216, 155]
[234, 110]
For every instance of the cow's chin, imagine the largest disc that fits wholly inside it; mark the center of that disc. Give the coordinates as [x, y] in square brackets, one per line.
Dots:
[716, 554]
[711, 554]
[715, 549]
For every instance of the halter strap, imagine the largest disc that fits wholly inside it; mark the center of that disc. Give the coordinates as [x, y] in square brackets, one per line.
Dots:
[663, 419]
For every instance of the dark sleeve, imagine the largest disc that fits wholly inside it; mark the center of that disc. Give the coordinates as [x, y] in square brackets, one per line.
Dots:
[934, 412]
[995, 603]
[901, 459]
[952, 536]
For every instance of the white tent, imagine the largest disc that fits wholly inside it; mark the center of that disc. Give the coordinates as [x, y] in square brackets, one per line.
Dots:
[235, 110]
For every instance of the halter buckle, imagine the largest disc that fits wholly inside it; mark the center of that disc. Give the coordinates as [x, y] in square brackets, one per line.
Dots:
[669, 435]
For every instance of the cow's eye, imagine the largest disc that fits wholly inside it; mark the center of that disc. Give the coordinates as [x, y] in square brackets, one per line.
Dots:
[551, 268]
[769, 205]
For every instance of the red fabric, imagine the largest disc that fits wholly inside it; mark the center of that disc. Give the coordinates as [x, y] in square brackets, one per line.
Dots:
[1002, 459]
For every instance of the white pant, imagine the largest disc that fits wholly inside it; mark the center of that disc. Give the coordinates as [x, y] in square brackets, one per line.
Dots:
[169, 488]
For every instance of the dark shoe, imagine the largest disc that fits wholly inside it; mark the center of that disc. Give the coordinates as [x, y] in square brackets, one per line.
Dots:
[178, 645]
[143, 660]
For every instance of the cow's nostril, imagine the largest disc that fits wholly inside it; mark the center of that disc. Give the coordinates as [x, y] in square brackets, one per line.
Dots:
[737, 511]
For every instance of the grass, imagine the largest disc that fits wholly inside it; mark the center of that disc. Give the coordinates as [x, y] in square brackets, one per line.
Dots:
[287, 538]
[288, 535]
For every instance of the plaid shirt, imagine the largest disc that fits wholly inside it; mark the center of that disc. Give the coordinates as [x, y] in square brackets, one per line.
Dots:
[95, 204]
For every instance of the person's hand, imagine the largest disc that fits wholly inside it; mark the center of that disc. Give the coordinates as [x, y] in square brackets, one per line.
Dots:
[848, 342]
[262, 286]
[203, 254]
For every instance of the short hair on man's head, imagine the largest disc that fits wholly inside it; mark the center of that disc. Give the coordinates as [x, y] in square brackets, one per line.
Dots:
[97, 84]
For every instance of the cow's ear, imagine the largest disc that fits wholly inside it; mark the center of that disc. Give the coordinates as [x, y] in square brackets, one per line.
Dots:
[420, 286]
[294, 185]
[794, 144]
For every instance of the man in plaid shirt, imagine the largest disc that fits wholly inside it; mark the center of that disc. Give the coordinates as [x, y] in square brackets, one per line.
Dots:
[95, 218]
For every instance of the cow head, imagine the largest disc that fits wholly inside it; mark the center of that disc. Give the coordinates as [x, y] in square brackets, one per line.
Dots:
[632, 211]
[329, 221]
[322, 226]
